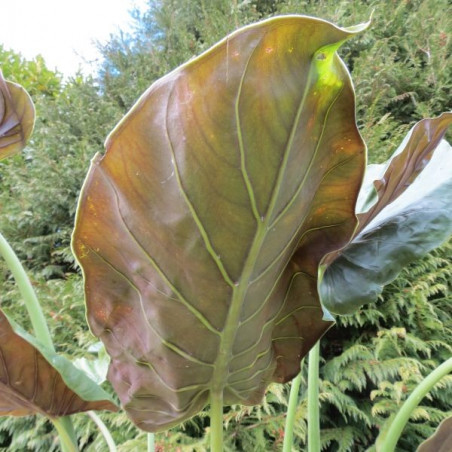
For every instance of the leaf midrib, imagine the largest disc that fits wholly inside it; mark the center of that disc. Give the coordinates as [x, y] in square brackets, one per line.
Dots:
[228, 335]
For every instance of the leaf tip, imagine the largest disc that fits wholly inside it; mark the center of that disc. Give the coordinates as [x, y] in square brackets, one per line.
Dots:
[358, 28]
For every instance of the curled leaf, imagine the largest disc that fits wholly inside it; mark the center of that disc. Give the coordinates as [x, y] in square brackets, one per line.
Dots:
[35, 380]
[409, 214]
[405, 165]
[17, 115]
[201, 229]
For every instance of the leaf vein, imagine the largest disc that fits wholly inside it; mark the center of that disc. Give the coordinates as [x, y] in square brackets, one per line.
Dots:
[253, 363]
[253, 377]
[35, 375]
[5, 368]
[269, 321]
[300, 308]
[278, 187]
[162, 380]
[157, 268]
[202, 230]
[294, 236]
[311, 162]
[166, 343]
[173, 407]
[245, 175]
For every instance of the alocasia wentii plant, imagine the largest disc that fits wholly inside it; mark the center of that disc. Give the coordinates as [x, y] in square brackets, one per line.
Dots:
[205, 231]
[187, 228]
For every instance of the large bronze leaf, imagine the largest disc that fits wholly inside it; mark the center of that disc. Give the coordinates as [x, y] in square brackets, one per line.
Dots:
[35, 380]
[17, 115]
[186, 227]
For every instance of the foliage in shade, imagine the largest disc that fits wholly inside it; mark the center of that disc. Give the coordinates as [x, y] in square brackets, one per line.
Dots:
[407, 211]
[441, 441]
[201, 230]
[35, 380]
[17, 115]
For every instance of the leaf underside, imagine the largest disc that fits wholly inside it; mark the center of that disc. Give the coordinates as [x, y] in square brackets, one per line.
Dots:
[16, 118]
[29, 384]
[201, 230]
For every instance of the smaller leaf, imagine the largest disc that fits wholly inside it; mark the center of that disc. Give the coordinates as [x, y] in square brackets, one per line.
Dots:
[35, 380]
[441, 440]
[407, 162]
[17, 115]
[413, 215]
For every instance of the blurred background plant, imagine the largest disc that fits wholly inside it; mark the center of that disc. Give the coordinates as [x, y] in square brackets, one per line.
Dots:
[370, 361]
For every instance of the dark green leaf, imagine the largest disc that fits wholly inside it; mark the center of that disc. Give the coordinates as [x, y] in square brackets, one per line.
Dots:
[416, 219]
[225, 170]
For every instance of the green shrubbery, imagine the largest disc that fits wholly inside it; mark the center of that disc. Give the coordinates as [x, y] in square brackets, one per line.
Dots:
[372, 360]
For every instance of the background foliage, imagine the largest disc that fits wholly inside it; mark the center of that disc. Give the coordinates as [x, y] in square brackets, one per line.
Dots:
[372, 360]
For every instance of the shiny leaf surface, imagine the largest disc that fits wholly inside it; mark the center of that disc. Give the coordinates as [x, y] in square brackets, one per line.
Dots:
[201, 230]
[416, 219]
[17, 116]
[405, 165]
[36, 380]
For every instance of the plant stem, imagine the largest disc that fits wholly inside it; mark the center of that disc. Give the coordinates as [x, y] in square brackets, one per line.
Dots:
[313, 399]
[38, 321]
[291, 412]
[395, 430]
[104, 430]
[216, 422]
[66, 433]
[151, 442]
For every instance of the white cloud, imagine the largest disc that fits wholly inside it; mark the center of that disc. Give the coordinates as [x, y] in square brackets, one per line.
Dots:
[62, 31]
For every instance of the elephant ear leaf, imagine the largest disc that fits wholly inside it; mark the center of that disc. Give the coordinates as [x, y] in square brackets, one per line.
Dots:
[17, 115]
[36, 380]
[186, 227]
[441, 440]
[409, 212]
[407, 162]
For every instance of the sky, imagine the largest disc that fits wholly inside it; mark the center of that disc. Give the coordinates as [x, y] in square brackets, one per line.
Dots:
[63, 31]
